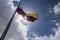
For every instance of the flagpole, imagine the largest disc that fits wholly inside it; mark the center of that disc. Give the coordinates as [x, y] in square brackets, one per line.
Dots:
[8, 26]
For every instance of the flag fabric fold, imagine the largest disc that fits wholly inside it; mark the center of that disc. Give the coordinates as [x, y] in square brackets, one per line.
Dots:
[20, 11]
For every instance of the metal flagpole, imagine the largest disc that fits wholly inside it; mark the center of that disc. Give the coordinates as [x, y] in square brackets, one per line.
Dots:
[8, 26]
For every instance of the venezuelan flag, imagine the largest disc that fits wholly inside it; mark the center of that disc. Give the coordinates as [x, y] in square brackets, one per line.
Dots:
[30, 17]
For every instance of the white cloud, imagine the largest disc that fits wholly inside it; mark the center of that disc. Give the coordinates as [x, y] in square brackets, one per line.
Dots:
[51, 37]
[56, 9]
[5, 14]
[17, 31]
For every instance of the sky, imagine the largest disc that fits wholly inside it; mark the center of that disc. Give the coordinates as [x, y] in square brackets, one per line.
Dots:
[47, 27]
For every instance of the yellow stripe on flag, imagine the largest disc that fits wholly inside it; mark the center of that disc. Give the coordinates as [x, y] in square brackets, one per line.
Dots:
[33, 15]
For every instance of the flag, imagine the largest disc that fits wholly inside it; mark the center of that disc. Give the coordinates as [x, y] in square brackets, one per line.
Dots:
[29, 17]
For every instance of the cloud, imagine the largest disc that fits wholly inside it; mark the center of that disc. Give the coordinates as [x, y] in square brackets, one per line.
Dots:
[17, 31]
[51, 37]
[56, 10]
[5, 14]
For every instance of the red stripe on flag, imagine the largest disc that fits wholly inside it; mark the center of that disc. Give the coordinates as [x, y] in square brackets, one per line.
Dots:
[19, 12]
[32, 20]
